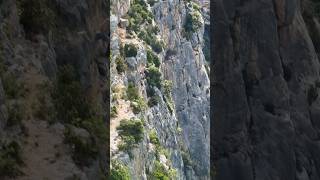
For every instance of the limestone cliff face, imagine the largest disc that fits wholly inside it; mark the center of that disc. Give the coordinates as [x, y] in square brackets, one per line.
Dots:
[180, 118]
[266, 105]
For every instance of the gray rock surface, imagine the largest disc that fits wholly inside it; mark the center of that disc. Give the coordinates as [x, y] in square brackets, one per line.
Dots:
[185, 131]
[266, 107]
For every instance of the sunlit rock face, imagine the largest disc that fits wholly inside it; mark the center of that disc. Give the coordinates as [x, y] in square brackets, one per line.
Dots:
[180, 118]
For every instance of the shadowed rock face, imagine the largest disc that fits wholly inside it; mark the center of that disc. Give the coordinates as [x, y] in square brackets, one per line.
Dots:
[32, 49]
[266, 105]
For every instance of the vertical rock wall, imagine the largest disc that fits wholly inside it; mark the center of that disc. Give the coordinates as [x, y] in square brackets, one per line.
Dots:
[184, 132]
[266, 105]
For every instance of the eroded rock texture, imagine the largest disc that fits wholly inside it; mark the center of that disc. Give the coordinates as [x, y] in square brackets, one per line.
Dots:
[37, 39]
[266, 84]
[180, 120]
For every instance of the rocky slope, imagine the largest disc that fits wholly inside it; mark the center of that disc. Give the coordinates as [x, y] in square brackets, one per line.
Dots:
[54, 89]
[160, 87]
[266, 85]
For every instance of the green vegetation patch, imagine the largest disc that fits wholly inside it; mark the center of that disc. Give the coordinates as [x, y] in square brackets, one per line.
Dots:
[167, 90]
[113, 112]
[68, 97]
[153, 100]
[153, 76]
[137, 102]
[121, 65]
[138, 105]
[130, 50]
[73, 107]
[132, 92]
[154, 138]
[152, 59]
[150, 38]
[138, 15]
[131, 133]
[119, 171]
[160, 172]
[15, 114]
[82, 150]
[186, 158]
[43, 107]
[10, 160]
[36, 16]
[193, 19]
[12, 87]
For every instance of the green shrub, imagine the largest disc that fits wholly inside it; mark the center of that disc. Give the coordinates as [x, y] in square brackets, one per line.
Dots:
[36, 15]
[150, 91]
[82, 150]
[195, 6]
[157, 46]
[138, 105]
[73, 107]
[97, 128]
[167, 90]
[15, 114]
[127, 144]
[113, 112]
[152, 59]
[170, 106]
[153, 76]
[121, 65]
[160, 172]
[167, 87]
[150, 38]
[12, 88]
[138, 14]
[131, 133]
[132, 92]
[140, 2]
[153, 29]
[192, 23]
[137, 102]
[186, 159]
[161, 150]
[153, 101]
[10, 160]
[130, 50]
[43, 107]
[154, 138]
[68, 97]
[119, 172]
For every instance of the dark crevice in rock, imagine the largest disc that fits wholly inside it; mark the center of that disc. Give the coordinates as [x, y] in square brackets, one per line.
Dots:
[287, 74]
[248, 84]
[312, 94]
[269, 108]
[235, 36]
